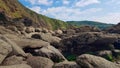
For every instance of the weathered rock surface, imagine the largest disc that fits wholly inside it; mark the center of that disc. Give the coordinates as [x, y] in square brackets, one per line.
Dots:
[51, 53]
[17, 66]
[31, 43]
[16, 49]
[66, 65]
[38, 30]
[3, 30]
[90, 61]
[39, 62]
[59, 31]
[5, 49]
[29, 30]
[49, 38]
[13, 60]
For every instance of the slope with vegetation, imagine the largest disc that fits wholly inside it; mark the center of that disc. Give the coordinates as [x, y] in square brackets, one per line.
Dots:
[90, 23]
[17, 12]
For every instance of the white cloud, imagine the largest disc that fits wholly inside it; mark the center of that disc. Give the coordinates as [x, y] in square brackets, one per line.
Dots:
[108, 18]
[69, 13]
[40, 2]
[83, 3]
[45, 2]
[31, 1]
[66, 2]
[117, 2]
[36, 9]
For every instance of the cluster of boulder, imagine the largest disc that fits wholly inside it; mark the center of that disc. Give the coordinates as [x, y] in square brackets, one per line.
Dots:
[114, 29]
[42, 48]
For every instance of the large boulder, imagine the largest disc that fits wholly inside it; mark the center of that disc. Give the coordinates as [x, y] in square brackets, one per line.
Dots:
[87, 29]
[39, 62]
[114, 29]
[49, 38]
[70, 31]
[31, 43]
[44, 30]
[13, 28]
[5, 49]
[58, 31]
[13, 60]
[29, 30]
[17, 66]
[66, 65]
[38, 30]
[104, 52]
[46, 37]
[50, 52]
[90, 61]
[16, 49]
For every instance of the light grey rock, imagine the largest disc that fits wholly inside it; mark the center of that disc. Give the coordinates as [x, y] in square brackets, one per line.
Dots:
[39, 62]
[90, 61]
[66, 64]
[5, 49]
[17, 66]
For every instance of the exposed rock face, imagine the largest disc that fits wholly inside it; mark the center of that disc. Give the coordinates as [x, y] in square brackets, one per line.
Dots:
[39, 62]
[5, 49]
[17, 66]
[88, 41]
[66, 65]
[13, 60]
[90, 61]
[50, 52]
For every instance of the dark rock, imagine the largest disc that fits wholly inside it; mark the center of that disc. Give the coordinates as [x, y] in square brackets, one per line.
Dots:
[87, 42]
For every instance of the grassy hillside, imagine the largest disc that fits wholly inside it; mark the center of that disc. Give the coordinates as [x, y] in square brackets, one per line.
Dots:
[90, 23]
[16, 11]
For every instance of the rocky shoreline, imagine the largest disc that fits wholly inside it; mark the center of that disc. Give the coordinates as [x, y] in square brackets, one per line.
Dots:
[84, 47]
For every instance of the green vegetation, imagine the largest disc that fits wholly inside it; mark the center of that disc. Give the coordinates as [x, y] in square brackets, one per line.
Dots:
[15, 10]
[71, 57]
[90, 23]
[109, 57]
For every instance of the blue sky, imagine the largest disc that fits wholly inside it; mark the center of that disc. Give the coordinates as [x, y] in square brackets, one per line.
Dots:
[106, 11]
